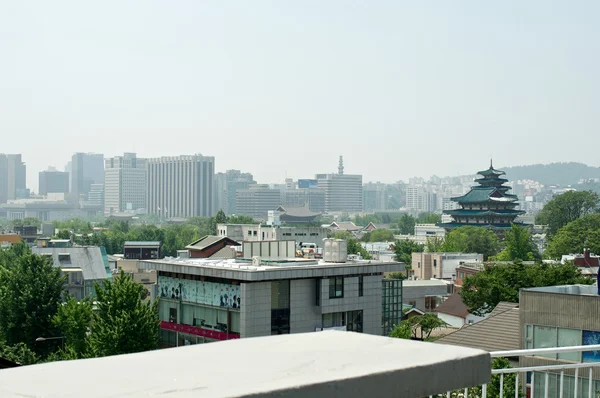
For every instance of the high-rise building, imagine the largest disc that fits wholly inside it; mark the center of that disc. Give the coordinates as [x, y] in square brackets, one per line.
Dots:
[124, 184]
[86, 169]
[226, 186]
[313, 198]
[420, 199]
[12, 178]
[374, 196]
[181, 186]
[257, 200]
[53, 181]
[343, 192]
[96, 196]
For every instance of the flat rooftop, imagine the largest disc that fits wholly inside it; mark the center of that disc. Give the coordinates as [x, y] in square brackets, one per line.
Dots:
[320, 364]
[243, 269]
[578, 290]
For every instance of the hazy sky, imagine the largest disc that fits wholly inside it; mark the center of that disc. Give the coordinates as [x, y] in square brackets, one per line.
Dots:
[281, 88]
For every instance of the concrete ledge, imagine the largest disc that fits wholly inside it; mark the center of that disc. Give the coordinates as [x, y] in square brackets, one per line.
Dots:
[323, 364]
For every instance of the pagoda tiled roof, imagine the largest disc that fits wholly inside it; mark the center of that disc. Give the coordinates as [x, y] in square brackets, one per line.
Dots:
[452, 225]
[491, 172]
[464, 212]
[483, 195]
[487, 180]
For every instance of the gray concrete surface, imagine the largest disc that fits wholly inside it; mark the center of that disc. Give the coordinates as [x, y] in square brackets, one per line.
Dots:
[324, 364]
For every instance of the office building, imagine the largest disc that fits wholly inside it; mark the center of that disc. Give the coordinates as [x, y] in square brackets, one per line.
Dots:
[95, 197]
[343, 192]
[86, 169]
[124, 184]
[181, 186]
[53, 181]
[374, 196]
[256, 201]
[226, 187]
[419, 199]
[312, 198]
[205, 300]
[12, 178]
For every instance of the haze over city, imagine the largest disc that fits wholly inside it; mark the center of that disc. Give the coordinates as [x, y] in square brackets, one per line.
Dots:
[280, 89]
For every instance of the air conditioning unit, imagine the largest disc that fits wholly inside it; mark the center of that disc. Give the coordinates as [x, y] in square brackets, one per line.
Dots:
[256, 261]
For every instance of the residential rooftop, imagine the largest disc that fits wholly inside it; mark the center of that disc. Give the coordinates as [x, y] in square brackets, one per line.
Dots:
[322, 364]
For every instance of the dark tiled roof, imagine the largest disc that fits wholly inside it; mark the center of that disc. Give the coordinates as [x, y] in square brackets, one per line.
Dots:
[491, 172]
[481, 195]
[346, 226]
[453, 306]
[210, 240]
[463, 212]
[500, 331]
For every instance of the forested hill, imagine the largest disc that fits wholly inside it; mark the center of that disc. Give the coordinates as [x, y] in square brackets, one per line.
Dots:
[562, 174]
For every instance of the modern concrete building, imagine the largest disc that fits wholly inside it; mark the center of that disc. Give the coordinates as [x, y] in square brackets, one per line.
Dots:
[181, 186]
[425, 295]
[561, 316]
[205, 300]
[420, 199]
[53, 181]
[12, 178]
[53, 208]
[83, 267]
[86, 169]
[343, 192]
[440, 265]
[124, 184]
[256, 201]
[312, 198]
[256, 232]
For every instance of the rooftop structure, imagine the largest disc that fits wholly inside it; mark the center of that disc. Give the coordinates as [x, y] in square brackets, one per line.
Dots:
[82, 265]
[296, 215]
[486, 205]
[212, 247]
[325, 364]
[141, 250]
[256, 232]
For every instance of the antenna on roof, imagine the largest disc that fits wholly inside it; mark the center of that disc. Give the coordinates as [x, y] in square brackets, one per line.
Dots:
[491, 163]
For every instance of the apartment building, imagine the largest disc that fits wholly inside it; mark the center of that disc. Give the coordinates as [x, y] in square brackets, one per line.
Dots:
[180, 186]
[441, 265]
[204, 300]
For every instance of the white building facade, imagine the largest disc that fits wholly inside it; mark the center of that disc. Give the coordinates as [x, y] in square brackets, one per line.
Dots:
[124, 184]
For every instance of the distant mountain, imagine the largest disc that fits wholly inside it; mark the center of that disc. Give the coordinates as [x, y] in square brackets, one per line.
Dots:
[562, 174]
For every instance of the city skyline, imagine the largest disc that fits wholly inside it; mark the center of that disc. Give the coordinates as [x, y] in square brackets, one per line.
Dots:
[385, 80]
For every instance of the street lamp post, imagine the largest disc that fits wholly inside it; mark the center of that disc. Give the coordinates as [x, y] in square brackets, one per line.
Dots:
[40, 339]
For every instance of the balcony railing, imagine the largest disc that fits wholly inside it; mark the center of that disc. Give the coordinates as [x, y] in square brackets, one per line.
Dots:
[583, 371]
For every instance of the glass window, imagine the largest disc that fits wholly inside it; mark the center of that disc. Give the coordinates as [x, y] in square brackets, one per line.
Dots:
[234, 326]
[355, 321]
[569, 338]
[336, 287]
[544, 337]
[335, 319]
[360, 286]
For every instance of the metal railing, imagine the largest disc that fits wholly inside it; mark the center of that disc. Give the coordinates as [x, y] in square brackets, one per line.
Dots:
[557, 369]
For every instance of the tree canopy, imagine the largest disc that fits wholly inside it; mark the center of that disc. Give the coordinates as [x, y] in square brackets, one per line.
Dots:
[418, 327]
[73, 320]
[566, 208]
[575, 236]
[403, 249]
[30, 292]
[501, 282]
[471, 239]
[518, 245]
[123, 323]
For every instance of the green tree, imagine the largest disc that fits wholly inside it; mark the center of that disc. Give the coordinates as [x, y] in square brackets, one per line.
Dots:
[30, 292]
[73, 321]
[32, 221]
[406, 224]
[471, 239]
[495, 283]
[566, 208]
[519, 246]
[435, 244]
[429, 218]
[19, 353]
[123, 322]
[402, 331]
[418, 327]
[241, 220]
[63, 234]
[220, 218]
[354, 246]
[381, 235]
[575, 236]
[403, 249]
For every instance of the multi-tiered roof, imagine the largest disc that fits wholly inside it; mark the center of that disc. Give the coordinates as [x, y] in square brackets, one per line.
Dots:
[486, 205]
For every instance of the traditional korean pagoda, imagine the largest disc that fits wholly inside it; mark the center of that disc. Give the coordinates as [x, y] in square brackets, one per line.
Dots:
[486, 205]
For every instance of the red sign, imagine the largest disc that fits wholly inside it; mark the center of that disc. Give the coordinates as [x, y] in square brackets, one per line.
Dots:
[211, 334]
